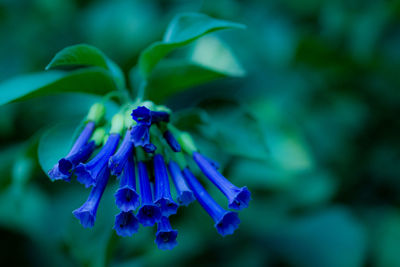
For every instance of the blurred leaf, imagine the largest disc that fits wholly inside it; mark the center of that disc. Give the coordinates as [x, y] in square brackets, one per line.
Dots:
[289, 149]
[24, 214]
[328, 238]
[239, 133]
[189, 119]
[78, 55]
[183, 29]
[260, 174]
[209, 60]
[86, 56]
[387, 239]
[311, 189]
[93, 80]
[174, 75]
[212, 53]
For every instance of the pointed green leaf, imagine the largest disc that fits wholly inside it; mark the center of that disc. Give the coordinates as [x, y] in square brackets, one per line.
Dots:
[210, 59]
[184, 29]
[78, 55]
[83, 55]
[92, 80]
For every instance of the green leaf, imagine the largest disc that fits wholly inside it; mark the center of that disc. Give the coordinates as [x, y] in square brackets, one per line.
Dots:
[238, 134]
[87, 56]
[184, 29]
[190, 118]
[78, 55]
[209, 60]
[92, 80]
[173, 75]
[212, 53]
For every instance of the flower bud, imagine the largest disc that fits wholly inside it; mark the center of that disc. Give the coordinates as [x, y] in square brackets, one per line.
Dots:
[96, 113]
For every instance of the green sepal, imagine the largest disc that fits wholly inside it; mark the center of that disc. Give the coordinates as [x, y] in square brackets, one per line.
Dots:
[117, 124]
[98, 136]
[186, 142]
[128, 121]
[96, 113]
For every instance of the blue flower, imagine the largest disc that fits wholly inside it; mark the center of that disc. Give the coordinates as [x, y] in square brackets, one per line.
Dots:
[238, 197]
[80, 152]
[119, 159]
[126, 223]
[162, 191]
[212, 162]
[86, 214]
[142, 115]
[148, 213]
[165, 236]
[126, 197]
[185, 195]
[140, 134]
[226, 222]
[172, 142]
[88, 173]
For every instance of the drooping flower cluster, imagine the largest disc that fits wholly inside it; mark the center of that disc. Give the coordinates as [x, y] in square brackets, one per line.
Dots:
[154, 149]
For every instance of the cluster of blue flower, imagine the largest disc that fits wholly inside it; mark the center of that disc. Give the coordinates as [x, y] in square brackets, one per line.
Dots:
[157, 149]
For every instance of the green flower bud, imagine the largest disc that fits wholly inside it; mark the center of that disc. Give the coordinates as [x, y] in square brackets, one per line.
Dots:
[96, 113]
[98, 136]
[129, 122]
[187, 143]
[117, 124]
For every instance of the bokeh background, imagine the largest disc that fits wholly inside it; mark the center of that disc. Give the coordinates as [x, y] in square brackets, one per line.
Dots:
[312, 130]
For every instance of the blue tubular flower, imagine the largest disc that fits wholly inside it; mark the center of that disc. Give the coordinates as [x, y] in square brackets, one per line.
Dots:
[226, 222]
[238, 197]
[146, 116]
[126, 223]
[140, 135]
[80, 151]
[86, 214]
[162, 192]
[148, 213]
[165, 236]
[119, 159]
[142, 115]
[126, 197]
[172, 142]
[185, 195]
[88, 173]
[212, 162]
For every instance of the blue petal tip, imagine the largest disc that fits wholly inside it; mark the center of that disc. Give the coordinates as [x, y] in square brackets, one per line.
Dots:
[228, 223]
[166, 240]
[241, 199]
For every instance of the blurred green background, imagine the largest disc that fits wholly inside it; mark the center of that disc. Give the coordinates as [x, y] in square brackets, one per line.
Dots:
[312, 130]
